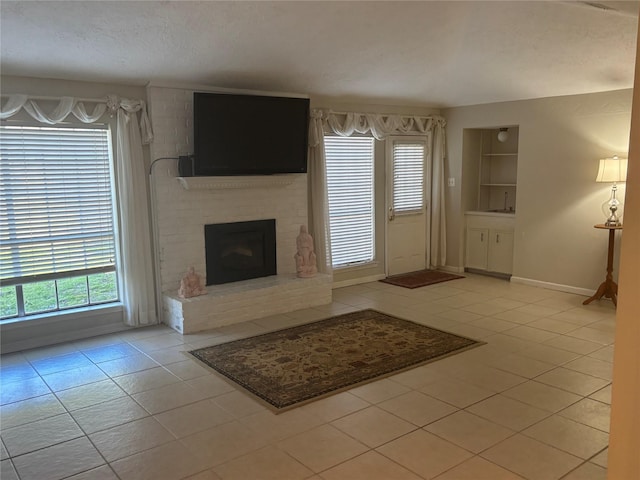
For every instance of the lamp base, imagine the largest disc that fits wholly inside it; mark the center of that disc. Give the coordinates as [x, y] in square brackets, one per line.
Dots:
[612, 209]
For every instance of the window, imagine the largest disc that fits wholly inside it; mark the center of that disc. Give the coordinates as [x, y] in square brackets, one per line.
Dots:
[57, 242]
[351, 203]
[408, 176]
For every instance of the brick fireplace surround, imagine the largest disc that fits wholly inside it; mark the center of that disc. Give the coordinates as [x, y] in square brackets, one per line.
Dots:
[181, 210]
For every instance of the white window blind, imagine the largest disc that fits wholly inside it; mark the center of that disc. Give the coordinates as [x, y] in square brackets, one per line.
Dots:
[56, 212]
[408, 177]
[351, 203]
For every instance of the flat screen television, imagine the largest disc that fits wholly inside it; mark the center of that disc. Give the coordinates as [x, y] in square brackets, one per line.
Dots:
[249, 134]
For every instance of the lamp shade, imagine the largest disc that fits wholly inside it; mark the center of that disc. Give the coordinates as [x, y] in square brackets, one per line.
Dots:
[612, 170]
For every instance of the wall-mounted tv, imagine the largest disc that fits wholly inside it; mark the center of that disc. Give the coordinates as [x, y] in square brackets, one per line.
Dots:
[249, 134]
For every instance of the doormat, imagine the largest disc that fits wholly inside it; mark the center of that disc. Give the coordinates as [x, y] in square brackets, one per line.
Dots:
[290, 367]
[421, 278]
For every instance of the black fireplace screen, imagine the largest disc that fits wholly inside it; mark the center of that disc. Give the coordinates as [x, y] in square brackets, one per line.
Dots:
[240, 250]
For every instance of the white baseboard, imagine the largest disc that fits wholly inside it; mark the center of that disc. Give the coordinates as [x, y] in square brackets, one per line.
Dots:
[451, 269]
[553, 286]
[359, 280]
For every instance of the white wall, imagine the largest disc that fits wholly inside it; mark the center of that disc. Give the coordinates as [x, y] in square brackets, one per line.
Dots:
[48, 87]
[560, 142]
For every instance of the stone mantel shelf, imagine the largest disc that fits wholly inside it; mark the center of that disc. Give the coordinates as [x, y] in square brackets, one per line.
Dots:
[223, 183]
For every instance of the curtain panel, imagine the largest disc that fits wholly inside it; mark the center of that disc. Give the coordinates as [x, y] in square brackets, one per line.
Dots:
[135, 268]
[379, 126]
[319, 225]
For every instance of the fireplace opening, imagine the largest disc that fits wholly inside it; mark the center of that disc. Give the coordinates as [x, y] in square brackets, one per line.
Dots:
[240, 251]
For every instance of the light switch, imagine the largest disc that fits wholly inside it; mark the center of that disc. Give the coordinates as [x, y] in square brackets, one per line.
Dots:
[452, 181]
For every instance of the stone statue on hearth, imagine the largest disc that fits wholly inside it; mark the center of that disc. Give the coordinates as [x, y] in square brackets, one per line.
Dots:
[191, 285]
[305, 257]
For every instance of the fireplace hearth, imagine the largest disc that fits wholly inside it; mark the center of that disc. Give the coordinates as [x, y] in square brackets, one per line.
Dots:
[240, 251]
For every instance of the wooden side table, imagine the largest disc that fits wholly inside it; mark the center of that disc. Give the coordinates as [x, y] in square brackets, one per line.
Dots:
[608, 288]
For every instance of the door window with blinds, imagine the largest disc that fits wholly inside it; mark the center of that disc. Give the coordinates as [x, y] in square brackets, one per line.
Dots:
[350, 185]
[57, 237]
[407, 170]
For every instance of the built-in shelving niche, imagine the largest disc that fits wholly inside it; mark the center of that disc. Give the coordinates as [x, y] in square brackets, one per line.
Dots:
[497, 171]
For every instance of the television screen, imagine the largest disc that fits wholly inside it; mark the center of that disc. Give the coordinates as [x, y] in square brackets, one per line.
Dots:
[249, 134]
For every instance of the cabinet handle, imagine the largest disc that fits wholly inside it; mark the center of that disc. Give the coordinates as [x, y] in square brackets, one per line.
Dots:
[482, 236]
[497, 238]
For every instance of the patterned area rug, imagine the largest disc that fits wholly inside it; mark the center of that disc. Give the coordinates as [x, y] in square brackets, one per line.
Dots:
[296, 365]
[421, 278]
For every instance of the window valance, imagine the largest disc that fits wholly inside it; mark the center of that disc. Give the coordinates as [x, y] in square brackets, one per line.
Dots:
[379, 125]
[73, 106]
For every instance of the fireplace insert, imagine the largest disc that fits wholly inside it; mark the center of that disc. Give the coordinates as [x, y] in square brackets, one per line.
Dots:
[240, 250]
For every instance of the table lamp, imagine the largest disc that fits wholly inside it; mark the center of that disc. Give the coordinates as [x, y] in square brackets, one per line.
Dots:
[612, 170]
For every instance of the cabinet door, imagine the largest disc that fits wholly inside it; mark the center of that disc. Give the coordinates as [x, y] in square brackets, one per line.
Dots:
[477, 248]
[501, 251]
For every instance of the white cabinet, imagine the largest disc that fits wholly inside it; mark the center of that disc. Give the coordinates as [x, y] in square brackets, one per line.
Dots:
[489, 242]
[500, 256]
[477, 248]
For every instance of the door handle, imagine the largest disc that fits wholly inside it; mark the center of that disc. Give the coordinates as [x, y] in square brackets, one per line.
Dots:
[391, 214]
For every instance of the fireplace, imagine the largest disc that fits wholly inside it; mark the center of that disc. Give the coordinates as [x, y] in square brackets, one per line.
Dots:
[240, 251]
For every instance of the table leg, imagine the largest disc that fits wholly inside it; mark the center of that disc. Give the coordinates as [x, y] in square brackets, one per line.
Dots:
[608, 288]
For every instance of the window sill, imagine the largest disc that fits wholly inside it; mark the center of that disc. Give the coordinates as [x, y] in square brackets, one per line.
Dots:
[56, 327]
[61, 315]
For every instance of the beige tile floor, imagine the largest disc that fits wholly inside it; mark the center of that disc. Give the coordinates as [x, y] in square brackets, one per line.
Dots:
[533, 403]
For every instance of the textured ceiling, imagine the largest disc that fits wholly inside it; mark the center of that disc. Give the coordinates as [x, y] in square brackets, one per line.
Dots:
[428, 53]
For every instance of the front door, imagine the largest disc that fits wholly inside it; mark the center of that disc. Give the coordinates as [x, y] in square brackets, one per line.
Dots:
[406, 224]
